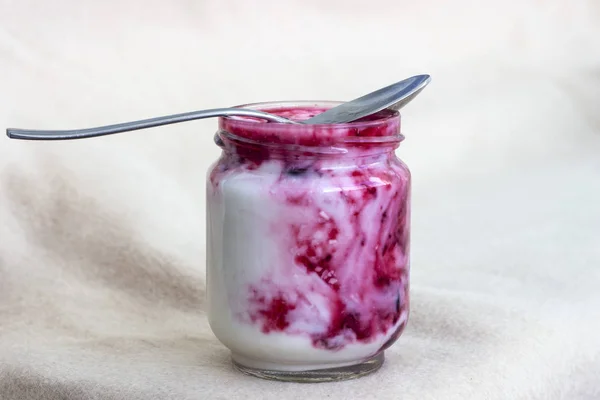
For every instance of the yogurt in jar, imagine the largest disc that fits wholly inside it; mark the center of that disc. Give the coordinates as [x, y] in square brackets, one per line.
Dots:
[308, 241]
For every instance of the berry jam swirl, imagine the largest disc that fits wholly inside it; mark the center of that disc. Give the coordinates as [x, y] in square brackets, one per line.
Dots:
[323, 224]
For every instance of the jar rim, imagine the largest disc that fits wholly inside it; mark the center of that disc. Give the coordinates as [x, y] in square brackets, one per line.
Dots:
[274, 105]
[380, 128]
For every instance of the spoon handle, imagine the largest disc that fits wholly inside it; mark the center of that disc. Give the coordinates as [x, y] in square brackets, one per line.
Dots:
[29, 134]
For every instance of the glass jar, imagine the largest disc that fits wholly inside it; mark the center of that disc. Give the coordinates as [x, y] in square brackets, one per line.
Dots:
[308, 243]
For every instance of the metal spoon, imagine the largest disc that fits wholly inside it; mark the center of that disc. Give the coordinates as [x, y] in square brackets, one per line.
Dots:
[393, 97]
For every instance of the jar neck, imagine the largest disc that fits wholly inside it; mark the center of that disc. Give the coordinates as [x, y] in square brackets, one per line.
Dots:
[376, 136]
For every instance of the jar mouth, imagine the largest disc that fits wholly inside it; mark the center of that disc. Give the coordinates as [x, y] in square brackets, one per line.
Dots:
[281, 108]
[379, 128]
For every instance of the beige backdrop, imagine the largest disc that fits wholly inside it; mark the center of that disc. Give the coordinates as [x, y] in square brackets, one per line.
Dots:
[102, 241]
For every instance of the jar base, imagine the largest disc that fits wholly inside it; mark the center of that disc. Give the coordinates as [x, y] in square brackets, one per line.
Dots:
[344, 373]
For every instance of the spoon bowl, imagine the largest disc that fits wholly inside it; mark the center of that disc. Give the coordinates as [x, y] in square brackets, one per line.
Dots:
[394, 97]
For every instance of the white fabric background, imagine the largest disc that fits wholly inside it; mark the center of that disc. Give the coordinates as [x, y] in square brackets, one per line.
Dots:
[102, 240]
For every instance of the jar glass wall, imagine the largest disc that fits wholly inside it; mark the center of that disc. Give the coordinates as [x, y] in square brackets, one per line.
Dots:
[308, 243]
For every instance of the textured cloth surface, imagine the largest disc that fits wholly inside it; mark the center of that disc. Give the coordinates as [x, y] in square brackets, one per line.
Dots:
[102, 241]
